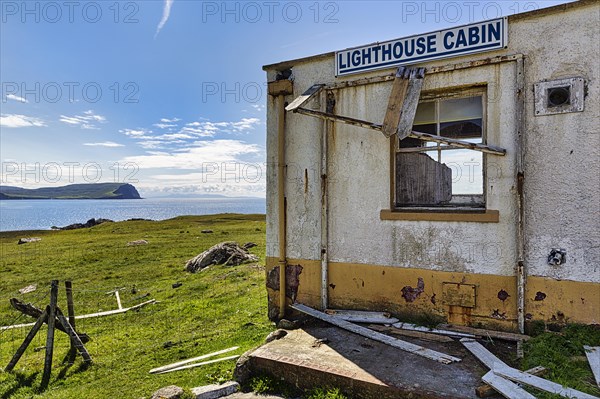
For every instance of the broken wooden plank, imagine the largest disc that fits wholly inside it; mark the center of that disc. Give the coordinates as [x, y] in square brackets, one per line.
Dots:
[395, 101]
[413, 334]
[365, 332]
[417, 135]
[414, 327]
[411, 102]
[360, 316]
[540, 383]
[304, 97]
[458, 143]
[593, 355]
[191, 366]
[481, 353]
[195, 359]
[485, 390]
[116, 311]
[507, 336]
[505, 387]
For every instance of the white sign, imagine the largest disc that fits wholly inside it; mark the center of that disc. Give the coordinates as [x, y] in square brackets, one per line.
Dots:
[467, 39]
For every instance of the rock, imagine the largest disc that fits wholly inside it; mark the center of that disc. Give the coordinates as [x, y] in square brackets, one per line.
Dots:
[216, 391]
[249, 245]
[28, 240]
[288, 325]
[137, 242]
[29, 288]
[176, 285]
[89, 223]
[227, 253]
[275, 335]
[206, 231]
[170, 392]
[243, 368]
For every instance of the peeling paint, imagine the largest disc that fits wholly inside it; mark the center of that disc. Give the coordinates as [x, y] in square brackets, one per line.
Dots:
[539, 296]
[292, 273]
[503, 295]
[497, 315]
[332, 286]
[433, 300]
[410, 294]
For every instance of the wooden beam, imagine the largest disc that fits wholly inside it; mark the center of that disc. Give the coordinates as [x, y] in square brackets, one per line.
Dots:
[395, 101]
[360, 316]
[304, 97]
[71, 312]
[50, 336]
[365, 332]
[593, 355]
[481, 353]
[411, 102]
[506, 388]
[414, 327]
[506, 336]
[414, 334]
[36, 327]
[485, 390]
[191, 366]
[162, 369]
[540, 383]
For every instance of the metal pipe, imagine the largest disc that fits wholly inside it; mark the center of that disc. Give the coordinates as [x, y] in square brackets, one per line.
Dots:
[521, 267]
[329, 127]
[281, 202]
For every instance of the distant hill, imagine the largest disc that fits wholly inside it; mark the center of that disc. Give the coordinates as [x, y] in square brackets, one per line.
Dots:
[72, 191]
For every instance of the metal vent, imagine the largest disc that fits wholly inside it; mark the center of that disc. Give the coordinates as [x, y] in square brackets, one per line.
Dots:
[559, 96]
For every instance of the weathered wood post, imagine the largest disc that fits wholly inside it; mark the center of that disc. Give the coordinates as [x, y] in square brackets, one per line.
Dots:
[71, 313]
[50, 338]
[36, 327]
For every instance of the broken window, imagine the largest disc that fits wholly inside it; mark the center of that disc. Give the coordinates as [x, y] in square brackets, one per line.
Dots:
[436, 174]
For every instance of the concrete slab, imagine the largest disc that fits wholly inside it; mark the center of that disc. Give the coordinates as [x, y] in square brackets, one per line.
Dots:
[365, 368]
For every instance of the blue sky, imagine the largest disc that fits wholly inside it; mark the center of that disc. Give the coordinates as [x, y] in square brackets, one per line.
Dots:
[169, 94]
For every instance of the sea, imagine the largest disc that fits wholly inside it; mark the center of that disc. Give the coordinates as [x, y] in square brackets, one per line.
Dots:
[43, 214]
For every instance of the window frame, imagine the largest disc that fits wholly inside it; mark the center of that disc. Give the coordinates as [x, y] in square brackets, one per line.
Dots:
[436, 96]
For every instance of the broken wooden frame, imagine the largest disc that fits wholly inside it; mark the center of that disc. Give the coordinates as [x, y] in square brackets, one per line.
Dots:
[403, 118]
[376, 336]
[501, 376]
[54, 317]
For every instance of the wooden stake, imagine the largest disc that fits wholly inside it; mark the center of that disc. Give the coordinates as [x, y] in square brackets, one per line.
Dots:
[50, 337]
[75, 341]
[36, 327]
[71, 312]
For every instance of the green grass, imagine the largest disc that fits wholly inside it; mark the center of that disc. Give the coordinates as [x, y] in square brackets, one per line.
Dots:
[212, 310]
[564, 357]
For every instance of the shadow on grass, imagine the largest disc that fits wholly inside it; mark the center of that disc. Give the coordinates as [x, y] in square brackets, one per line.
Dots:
[21, 381]
[83, 366]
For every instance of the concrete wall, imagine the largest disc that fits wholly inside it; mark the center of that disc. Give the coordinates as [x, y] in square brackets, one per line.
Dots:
[562, 183]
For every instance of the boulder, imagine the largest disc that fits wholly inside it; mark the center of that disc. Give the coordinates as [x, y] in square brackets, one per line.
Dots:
[90, 223]
[28, 240]
[170, 392]
[137, 242]
[227, 253]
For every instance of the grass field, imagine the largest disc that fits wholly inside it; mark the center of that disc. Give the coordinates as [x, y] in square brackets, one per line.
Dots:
[214, 309]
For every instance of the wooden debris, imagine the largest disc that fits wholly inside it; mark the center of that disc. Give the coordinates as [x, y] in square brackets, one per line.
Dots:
[414, 334]
[191, 366]
[506, 336]
[503, 370]
[360, 316]
[485, 390]
[183, 362]
[305, 97]
[365, 332]
[540, 383]
[593, 355]
[395, 101]
[414, 327]
[506, 388]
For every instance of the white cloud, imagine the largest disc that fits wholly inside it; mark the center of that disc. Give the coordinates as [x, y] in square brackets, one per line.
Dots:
[137, 133]
[164, 125]
[258, 107]
[166, 120]
[104, 144]
[165, 16]
[85, 121]
[196, 155]
[16, 98]
[15, 120]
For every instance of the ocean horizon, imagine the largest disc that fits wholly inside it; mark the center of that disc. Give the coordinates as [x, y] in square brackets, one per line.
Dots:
[20, 215]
